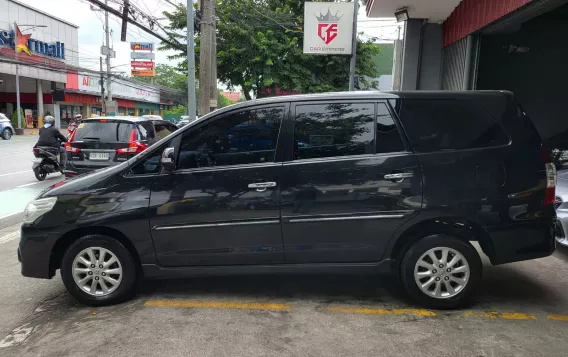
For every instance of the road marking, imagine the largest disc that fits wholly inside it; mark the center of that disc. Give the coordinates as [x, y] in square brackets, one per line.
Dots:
[558, 317]
[500, 315]
[28, 184]
[9, 237]
[15, 173]
[219, 305]
[373, 311]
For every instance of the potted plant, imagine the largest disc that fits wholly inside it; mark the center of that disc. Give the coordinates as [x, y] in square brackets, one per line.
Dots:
[19, 131]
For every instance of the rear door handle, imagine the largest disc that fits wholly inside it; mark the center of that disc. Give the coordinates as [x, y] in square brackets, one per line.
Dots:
[262, 186]
[399, 177]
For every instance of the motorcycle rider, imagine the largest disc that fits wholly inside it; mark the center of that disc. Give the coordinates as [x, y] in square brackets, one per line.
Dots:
[49, 135]
[74, 123]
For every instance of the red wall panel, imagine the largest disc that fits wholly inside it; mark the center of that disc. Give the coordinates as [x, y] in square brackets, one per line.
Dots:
[471, 15]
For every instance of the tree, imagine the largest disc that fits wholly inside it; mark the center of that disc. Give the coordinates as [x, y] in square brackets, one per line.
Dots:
[259, 46]
[168, 76]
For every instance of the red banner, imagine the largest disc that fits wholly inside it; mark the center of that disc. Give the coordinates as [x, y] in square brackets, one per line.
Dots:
[142, 64]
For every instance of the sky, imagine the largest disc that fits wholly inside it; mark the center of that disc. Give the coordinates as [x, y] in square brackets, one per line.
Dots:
[91, 33]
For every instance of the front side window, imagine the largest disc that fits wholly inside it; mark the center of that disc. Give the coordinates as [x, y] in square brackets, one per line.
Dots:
[388, 136]
[337, 129]
[445, 124]
[245, 137]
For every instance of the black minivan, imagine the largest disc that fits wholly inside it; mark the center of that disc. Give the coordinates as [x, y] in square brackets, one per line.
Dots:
[356, 182]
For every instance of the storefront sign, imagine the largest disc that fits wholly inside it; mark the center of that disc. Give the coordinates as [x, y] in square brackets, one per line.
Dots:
[30, 46]
[142, 46]
[142, 64]
[29, 118]
[120, 89]
[143, 72]
[328, 28]
[142, 55]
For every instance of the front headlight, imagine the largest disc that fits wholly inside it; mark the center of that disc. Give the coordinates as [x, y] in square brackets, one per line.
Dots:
[38, 208]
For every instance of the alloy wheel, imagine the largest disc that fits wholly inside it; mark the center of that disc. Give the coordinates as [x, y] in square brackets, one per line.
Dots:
[97, 271]
[442, 272]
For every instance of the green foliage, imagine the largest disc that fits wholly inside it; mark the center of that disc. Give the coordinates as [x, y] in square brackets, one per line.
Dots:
[223, 101]
[259, 46]
[177, 110]
[14, 119]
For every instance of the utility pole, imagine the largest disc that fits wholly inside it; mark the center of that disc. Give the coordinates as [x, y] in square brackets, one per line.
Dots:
[353, 48]
[107, 33]
[213, 94]
[17, 76]
[205, 57]
[190, 63]
[102, 80]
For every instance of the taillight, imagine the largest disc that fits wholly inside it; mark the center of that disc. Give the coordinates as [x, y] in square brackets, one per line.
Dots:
[68, 146]
[36, 151]
[71, 149]
[134, 147]
[550, 195]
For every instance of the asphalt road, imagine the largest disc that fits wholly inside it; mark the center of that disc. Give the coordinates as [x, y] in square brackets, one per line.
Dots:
[18, 184]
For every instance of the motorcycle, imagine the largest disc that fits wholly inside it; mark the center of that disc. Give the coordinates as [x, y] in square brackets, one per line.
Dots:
[46, 162]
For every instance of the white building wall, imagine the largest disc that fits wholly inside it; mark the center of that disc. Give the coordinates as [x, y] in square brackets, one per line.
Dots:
[57, 30]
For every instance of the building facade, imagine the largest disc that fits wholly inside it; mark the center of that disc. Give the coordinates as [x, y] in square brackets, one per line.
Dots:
[514, 45]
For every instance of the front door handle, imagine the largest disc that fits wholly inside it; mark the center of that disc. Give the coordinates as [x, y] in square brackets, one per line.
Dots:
[262, 186]
[399, 177]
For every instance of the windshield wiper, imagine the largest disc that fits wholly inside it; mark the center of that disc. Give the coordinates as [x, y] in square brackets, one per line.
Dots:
[91, 138]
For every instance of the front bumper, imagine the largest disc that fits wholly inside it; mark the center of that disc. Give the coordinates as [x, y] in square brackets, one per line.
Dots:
[34, 252]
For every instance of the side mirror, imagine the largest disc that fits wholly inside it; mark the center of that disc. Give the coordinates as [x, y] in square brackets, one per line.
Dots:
[168, 159]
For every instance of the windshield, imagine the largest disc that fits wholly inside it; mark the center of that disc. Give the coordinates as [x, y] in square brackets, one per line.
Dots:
[107, 131]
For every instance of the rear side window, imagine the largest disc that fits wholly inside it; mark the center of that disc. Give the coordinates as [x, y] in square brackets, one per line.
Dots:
[104, 131]
[338, 129]
[146, 130]
[437, 125]
[388, 136]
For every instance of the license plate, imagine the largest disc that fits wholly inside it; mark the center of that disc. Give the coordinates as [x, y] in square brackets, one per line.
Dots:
[98, 156]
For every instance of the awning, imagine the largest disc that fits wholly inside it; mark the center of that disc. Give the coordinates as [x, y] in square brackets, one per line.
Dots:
[433, 10]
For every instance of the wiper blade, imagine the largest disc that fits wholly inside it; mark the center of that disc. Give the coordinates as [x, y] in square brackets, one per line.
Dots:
[90, 138]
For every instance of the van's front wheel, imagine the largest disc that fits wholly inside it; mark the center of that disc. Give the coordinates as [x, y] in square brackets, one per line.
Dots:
[441, 271]
[98, 270]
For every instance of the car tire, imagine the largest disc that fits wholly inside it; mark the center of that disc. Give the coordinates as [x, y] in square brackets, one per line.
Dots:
[445, 283]
[118, 277]
[6, 134]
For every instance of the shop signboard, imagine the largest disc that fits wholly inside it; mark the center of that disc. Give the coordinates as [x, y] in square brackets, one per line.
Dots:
[143, 72]
[142, 55]
[328, 28]
[120, 89]
[30, 46]
[29, 118]
[142, 64]
[141, 46]
[111, 108]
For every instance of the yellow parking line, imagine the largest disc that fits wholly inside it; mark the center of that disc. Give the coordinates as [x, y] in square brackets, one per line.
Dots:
[500, 315]
[557, 317]
[219, 305]
[372, 311]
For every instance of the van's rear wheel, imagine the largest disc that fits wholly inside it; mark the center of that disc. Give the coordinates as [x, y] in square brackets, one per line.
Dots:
[98, 270]
[441, 271]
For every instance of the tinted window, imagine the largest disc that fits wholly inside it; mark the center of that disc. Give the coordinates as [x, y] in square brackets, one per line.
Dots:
[434, 125]
[107, 131]
[388, 136]
[246, 137]
[146, 130]
[163, 130]
[325, 130]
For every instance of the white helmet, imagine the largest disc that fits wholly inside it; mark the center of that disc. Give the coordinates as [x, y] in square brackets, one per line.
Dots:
[78, 116]
[49, 120]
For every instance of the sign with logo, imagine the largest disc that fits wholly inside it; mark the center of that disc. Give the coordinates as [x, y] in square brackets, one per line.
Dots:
[142, 55]
[120, 88]
[29, 118]
[30, 46]
[328, 28]
[141, 46]
[143, 72]
[142, 64]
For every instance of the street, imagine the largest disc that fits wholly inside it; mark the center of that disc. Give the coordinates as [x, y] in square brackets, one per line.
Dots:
[18, 184]
[521, 309]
